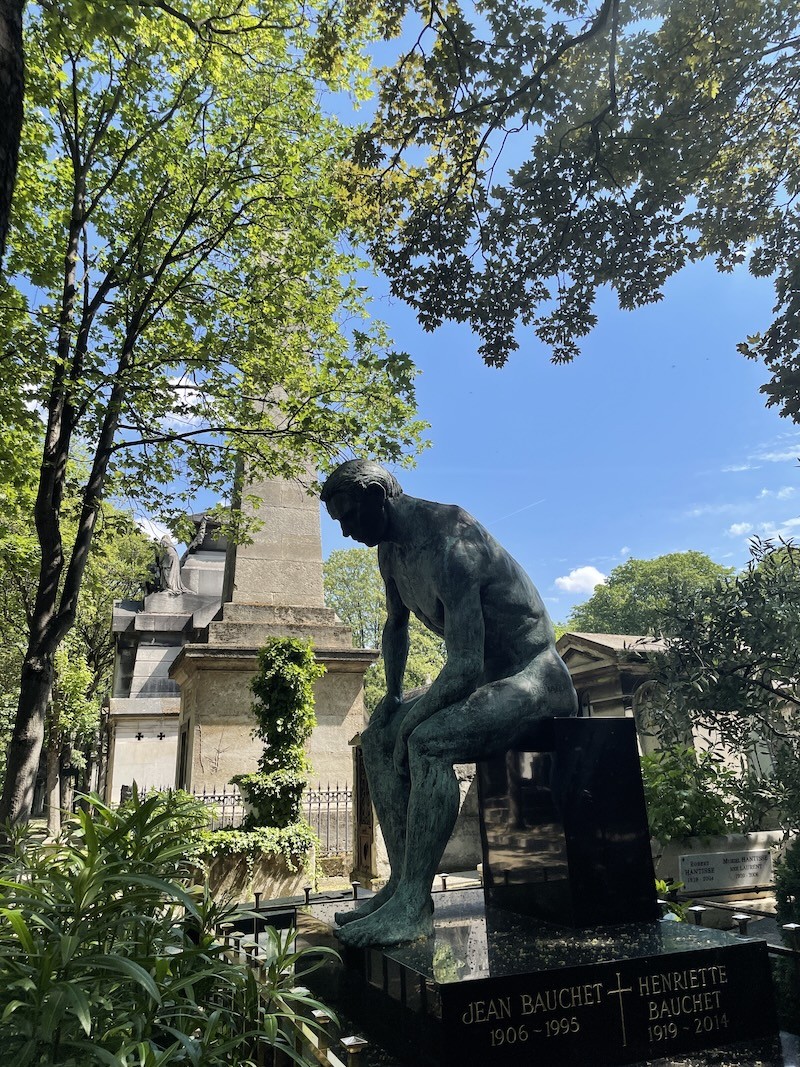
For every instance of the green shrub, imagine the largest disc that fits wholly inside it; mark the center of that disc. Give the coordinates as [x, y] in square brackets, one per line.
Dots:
[688, 794]
[295, 843]
[275, 798]
[787, 885]
[667, 890]
[284, 703]
[787, 971]
[177, 813]
[108, 954]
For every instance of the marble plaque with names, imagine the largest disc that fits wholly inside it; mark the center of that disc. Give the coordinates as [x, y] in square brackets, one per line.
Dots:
[714, 871]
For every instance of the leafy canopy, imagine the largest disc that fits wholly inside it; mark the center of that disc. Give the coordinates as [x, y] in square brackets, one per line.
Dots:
[731, 670]
[183, 292]
[638, 595]
[530, 154]
[733, 662]
[116, 569]
[188, 182]
[354, 589]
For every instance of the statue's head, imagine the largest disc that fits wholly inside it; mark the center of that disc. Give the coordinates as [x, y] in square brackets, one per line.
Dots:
[356, 495]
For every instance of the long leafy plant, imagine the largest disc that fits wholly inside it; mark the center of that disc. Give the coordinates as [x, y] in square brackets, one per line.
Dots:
[108, 953]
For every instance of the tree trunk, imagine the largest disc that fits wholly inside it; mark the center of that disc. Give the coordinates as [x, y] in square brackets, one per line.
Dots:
[102, 754]
[90, 757]
[22, 760]
[53, 790]
[67, 778]
[12, 90]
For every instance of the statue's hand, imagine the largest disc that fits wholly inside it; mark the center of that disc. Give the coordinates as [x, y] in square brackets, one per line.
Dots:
[385, 709]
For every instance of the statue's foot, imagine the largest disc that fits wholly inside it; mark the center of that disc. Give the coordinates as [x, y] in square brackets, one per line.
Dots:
[393, 924]
[367, 907]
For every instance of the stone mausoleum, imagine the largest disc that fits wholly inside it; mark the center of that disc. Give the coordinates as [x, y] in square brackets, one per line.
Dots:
[273, 587]
[180, 714]
[142, 722]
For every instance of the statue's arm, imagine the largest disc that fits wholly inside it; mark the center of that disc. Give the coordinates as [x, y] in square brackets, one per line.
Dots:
[464, 635]
[394, 643]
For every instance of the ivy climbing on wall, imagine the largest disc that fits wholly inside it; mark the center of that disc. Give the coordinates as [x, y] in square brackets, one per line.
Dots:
[283, 707]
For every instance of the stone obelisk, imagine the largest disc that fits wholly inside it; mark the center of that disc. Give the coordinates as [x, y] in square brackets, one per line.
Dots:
[272, 587]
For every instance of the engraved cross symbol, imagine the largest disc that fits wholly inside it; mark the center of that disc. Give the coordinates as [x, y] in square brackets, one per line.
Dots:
[618, 992]
[161, 736]
[139, 736]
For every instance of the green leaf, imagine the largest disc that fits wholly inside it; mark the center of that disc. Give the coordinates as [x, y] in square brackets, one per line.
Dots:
[122, 966]
[80, 1006]
[20, 927]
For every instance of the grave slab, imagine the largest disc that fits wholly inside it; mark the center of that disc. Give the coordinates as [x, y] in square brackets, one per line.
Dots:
[704, 872]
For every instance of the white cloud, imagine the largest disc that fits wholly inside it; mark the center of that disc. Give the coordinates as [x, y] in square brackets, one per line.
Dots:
[785, 529]
[739, 529]
[710, 509]
[780, 457]
[624, 551]
[191, 408]
[153, 529]
[581, 580]
[780, 494]
[783, 448]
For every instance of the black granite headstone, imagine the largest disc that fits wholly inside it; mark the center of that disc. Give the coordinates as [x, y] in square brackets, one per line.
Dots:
[507, 978]
[617, 1012]
[564, 827]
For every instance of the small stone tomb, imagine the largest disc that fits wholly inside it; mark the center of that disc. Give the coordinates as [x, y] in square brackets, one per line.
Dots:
[714, 872]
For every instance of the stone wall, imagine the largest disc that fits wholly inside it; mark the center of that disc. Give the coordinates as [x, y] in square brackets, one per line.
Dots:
[234, 878]
[215, 712]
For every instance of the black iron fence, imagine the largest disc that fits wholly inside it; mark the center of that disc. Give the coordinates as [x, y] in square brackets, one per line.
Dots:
[328, 809]
[227, 807]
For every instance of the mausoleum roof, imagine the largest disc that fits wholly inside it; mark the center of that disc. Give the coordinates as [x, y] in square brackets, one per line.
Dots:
[617, 642]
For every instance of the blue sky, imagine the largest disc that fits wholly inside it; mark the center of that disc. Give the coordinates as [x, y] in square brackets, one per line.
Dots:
[656, 440]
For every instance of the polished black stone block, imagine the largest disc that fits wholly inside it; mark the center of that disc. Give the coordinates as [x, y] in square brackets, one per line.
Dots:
[492, 987]
[618, 1012]
[564, 826]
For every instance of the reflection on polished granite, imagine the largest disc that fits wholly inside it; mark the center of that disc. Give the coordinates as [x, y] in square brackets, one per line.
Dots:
[564, 827]
[472, 941]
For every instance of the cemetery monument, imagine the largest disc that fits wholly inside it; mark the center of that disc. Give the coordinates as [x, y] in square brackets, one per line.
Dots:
[182, 597]
[272, 587]
[502, 678]
[560, 957]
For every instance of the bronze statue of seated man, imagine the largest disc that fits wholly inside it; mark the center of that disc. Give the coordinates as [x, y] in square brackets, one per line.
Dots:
[502, 677]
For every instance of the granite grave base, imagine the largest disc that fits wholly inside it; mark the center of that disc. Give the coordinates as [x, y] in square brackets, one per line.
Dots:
[494, 987]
